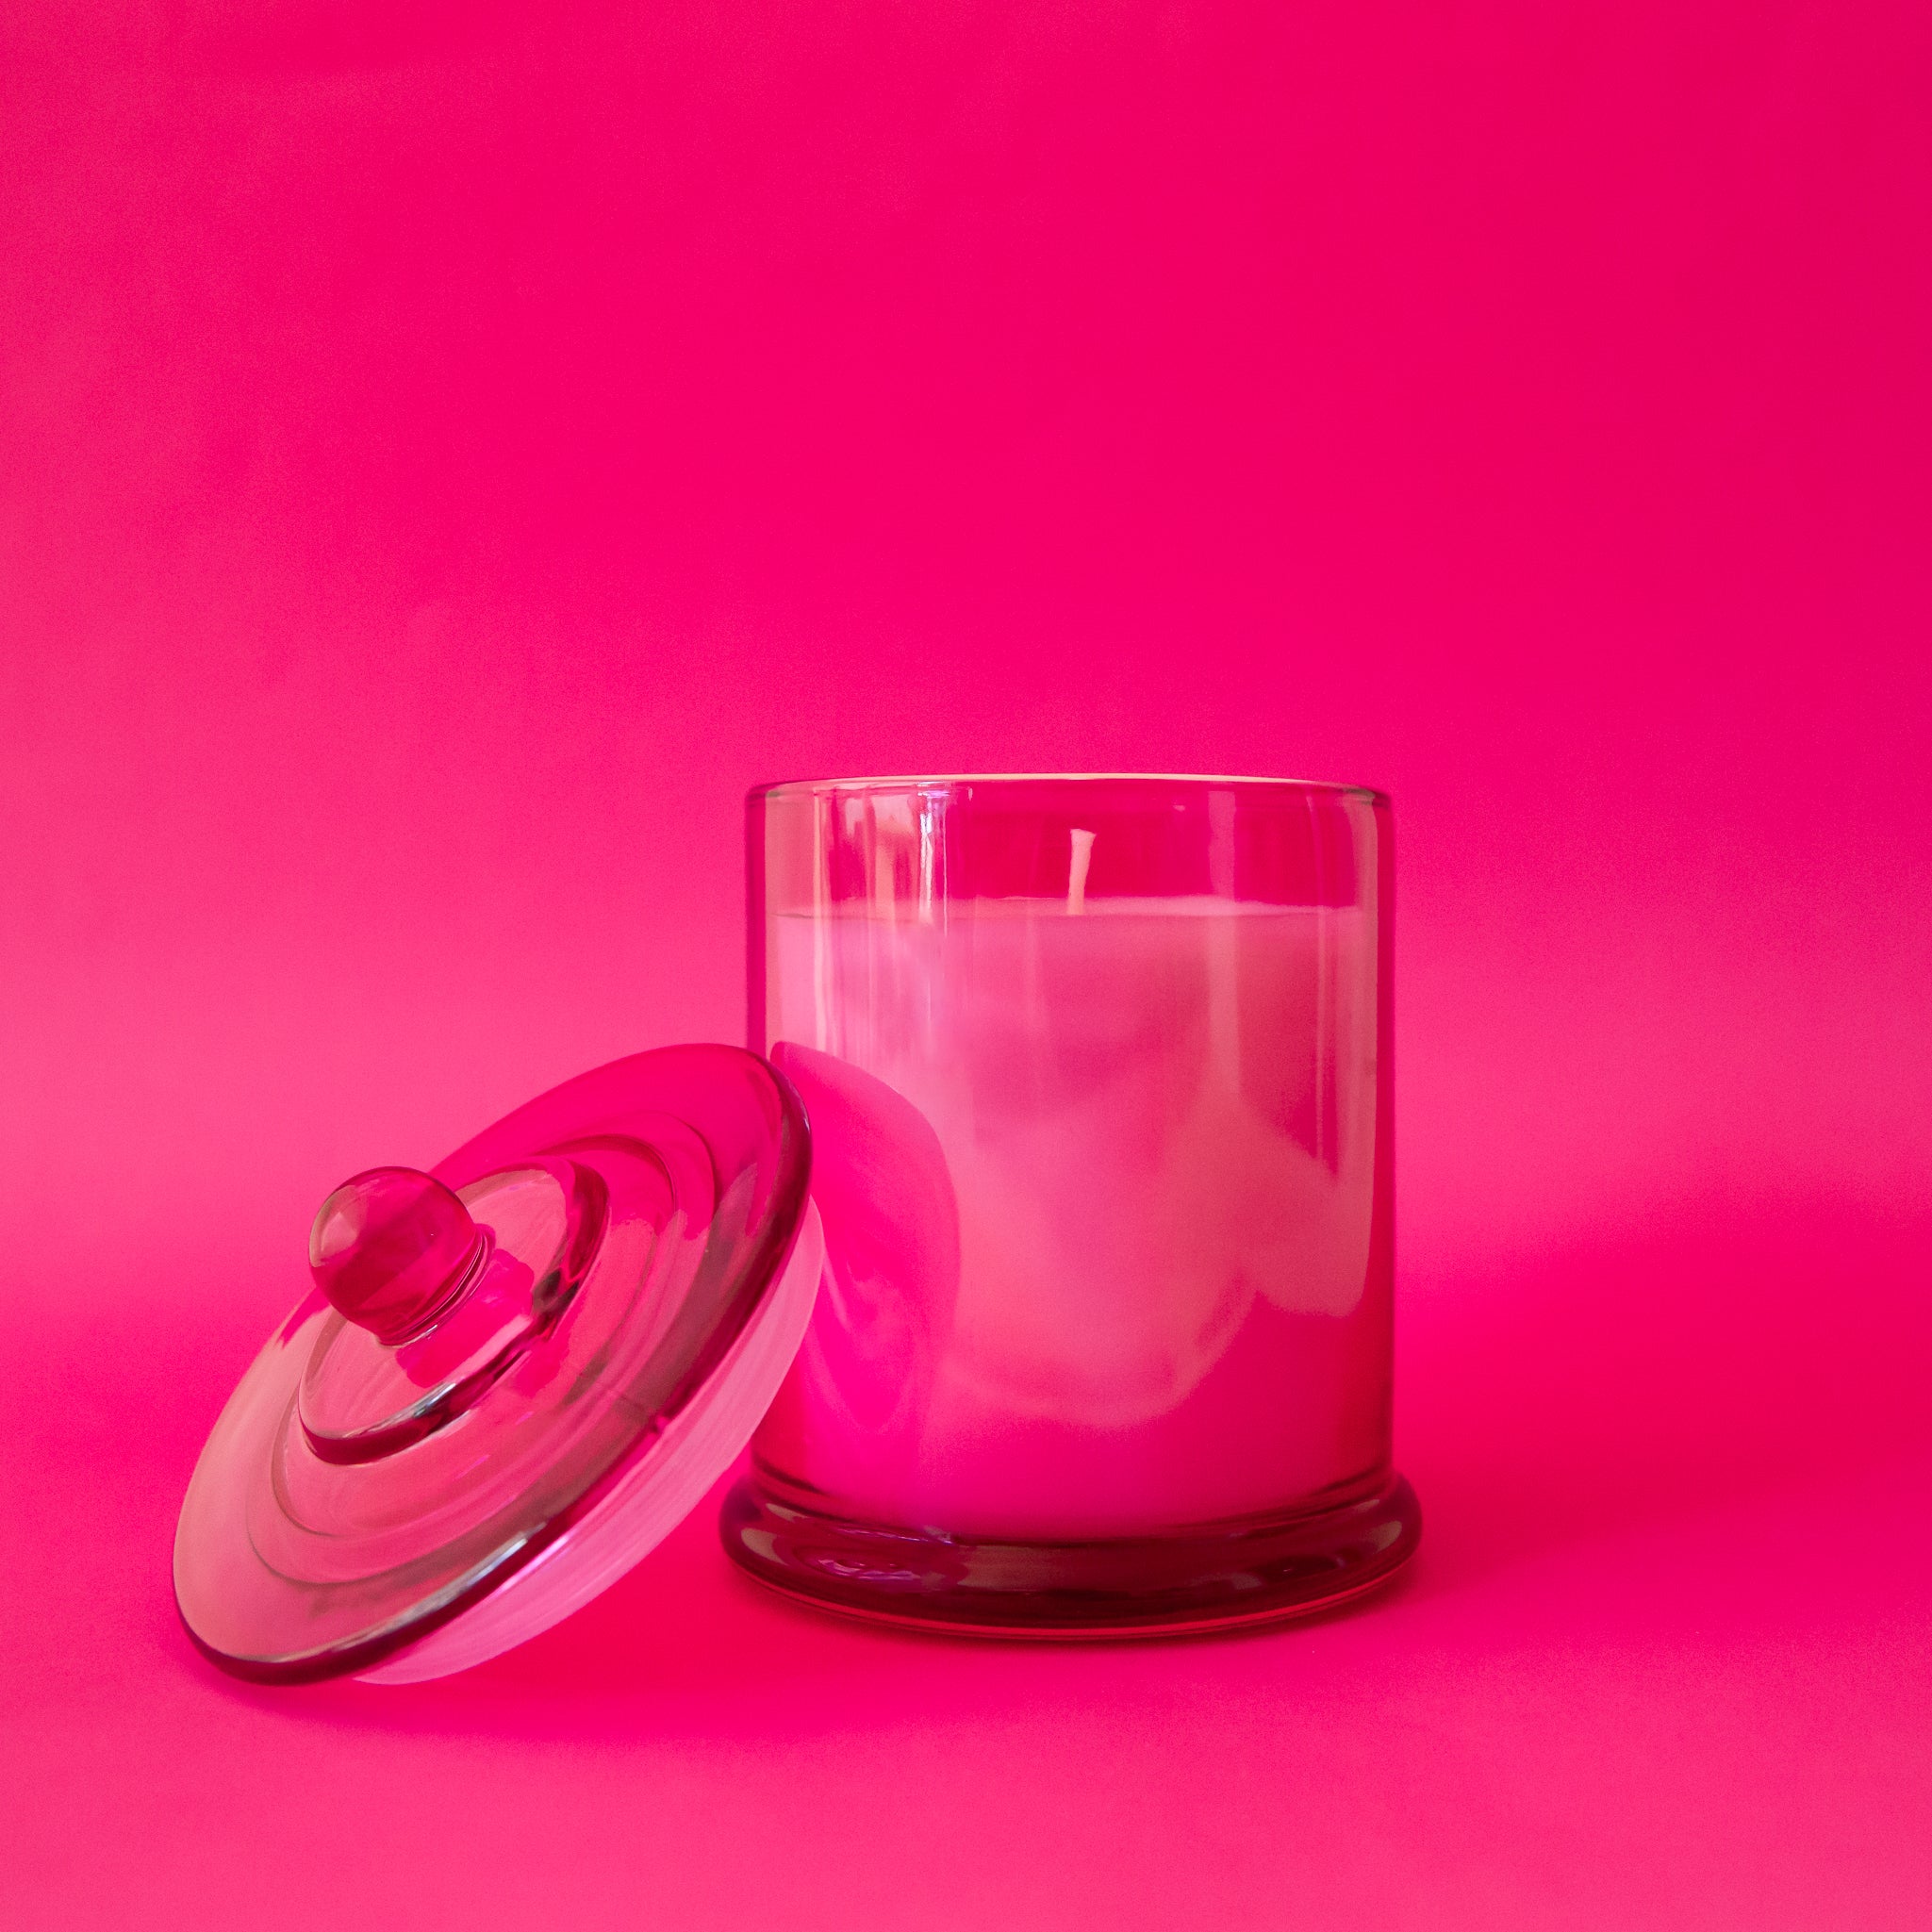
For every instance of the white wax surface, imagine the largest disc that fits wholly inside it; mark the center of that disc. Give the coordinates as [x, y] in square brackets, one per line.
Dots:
[1157, 1121]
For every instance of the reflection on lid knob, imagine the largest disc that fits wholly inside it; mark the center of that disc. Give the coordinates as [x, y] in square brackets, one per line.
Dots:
[391, 1249]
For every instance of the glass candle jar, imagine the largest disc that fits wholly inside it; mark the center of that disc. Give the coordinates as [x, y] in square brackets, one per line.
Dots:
[1099, 1078]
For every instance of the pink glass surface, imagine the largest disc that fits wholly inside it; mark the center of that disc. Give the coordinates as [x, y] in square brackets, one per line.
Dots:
[1098, 1078]
[511, 1379]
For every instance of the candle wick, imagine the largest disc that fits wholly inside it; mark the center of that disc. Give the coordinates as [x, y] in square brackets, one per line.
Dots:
[1077, 871]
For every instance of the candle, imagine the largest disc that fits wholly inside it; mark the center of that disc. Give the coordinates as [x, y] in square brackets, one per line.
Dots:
[1098, 1183]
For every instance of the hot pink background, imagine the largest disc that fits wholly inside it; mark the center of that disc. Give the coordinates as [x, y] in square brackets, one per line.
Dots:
[448, 452]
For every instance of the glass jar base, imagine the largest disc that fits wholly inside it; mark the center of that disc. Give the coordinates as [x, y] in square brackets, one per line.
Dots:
[1253, 1572]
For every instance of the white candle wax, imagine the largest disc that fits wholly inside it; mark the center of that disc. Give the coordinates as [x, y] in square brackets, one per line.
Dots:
[1099, 1185]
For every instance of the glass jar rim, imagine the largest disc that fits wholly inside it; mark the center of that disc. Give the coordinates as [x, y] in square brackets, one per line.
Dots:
[935, 781]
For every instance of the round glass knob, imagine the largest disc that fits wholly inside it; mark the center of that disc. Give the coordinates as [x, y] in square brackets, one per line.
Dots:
[391, 1248]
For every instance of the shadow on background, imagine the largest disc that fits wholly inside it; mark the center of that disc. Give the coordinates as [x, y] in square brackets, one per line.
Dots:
[1706, 1353]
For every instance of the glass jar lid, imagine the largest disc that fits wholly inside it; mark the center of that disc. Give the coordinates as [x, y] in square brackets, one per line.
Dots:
[511, 1379]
